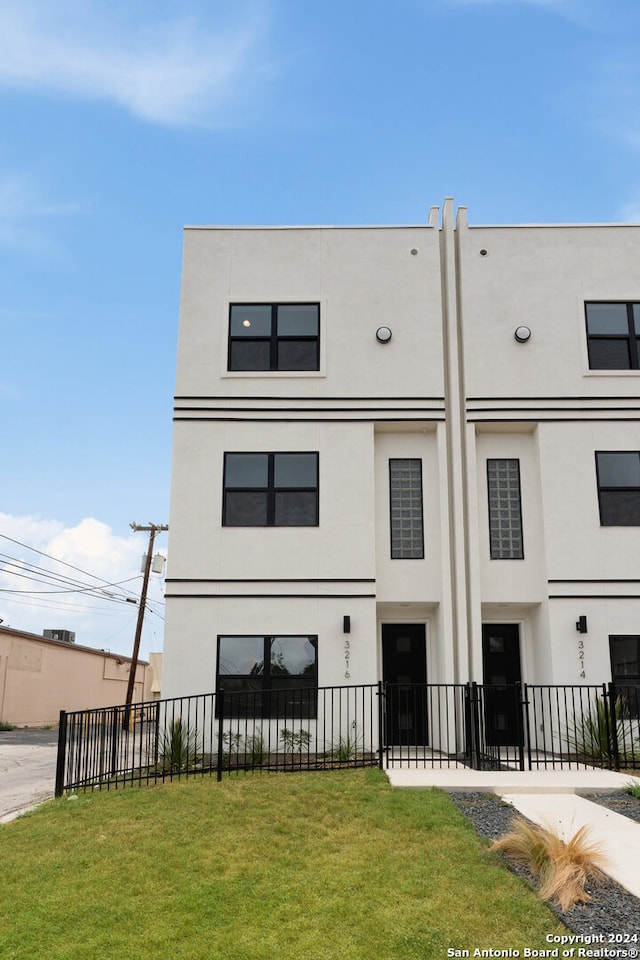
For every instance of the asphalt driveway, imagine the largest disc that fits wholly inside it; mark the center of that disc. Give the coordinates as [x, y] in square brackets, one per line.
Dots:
[27, 769]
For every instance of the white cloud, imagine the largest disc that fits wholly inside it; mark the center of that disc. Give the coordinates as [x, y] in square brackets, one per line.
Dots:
[90, 546]
[174, 73]
[23, 209]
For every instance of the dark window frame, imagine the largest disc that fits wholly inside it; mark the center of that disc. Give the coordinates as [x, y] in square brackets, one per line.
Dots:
[608, 489]
[628, 683]
[493, 553]
[271, 490]
[274, 339]
[266, 700]
[397, 552]
[631, 338]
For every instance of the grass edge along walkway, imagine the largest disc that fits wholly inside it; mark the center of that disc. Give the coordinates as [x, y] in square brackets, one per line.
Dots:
[308, 865]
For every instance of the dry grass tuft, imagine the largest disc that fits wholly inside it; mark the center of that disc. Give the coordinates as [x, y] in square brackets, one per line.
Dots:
[561, 869]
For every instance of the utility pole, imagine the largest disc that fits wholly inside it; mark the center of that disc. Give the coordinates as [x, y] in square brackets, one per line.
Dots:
[151, 529]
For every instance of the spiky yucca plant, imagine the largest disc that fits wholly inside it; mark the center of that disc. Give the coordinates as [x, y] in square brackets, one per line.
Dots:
[178, 747]
[560, 869]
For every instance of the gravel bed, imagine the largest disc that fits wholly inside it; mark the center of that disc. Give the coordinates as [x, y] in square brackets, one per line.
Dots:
[613, 910]
[618, 802]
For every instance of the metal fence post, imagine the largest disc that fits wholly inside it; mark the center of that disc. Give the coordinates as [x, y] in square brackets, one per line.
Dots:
[521, 725]
[612, 714]
[220, 706]
[62, 750]
[381, 744]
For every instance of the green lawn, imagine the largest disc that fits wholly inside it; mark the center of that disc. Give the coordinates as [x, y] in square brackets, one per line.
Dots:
[287, 866]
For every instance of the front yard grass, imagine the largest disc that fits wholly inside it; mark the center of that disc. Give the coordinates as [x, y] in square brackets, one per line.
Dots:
[288, 866]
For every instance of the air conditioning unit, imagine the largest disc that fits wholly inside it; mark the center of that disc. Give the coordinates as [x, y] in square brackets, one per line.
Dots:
[65, 636]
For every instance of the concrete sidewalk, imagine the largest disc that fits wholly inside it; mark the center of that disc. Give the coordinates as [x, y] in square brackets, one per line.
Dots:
[549, 797]
[27, 770]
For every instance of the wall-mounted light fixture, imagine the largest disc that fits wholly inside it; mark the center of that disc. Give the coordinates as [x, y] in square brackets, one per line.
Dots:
[581, 624]
[522, 334]
[383, 334]
[346, 624]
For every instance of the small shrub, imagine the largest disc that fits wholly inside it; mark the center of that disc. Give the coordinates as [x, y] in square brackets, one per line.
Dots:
[293, 741]
[346, 748]
[6, 726]
[256, 749]
[560, 869]
[633, 788]
[590, 735]
[178, 748]
[232, 747]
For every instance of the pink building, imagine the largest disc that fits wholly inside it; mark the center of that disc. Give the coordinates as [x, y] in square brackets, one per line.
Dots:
[39, 677]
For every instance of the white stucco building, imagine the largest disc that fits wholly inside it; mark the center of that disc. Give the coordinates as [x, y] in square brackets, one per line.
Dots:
[433, 431]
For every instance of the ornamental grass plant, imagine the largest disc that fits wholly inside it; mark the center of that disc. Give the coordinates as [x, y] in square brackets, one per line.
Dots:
[561, 869]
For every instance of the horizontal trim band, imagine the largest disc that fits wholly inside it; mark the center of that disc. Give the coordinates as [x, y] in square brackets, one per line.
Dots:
[504, 419]
[287, 399]
[271, 580]
[270, 596]
[594, 596]
[544, 399]
[600, 580]
[326, 419]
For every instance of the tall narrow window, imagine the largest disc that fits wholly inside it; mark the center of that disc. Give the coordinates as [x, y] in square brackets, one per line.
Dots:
[505, 512]
[405, 485]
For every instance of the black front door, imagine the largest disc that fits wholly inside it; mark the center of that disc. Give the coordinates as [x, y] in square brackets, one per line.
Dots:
[501, 669]
[404, 666]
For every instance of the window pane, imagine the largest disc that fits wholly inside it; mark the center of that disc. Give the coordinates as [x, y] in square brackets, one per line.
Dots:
[295, 470]
[505, 520]
[249, 355]
[245, 509]
[298, 355]
[292, 698]
[241, 655]
[607, 318]
[251, 320]
[620, 508]
[296, 509]
[609, 355]
[246, 469]
[636, 318]
[293, 656]
[619, 469]
[625, 656]
[297, 320]
[405, 482]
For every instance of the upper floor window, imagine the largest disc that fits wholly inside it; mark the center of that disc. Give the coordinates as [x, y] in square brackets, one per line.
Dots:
[270, 490]
[405, 488]
[505, 513]
[619, 488]
[274, 336]
[613, 336]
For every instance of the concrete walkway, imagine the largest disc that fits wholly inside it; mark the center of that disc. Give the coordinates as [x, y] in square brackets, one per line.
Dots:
[549, 797]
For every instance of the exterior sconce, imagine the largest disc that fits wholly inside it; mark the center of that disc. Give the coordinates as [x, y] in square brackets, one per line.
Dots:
[346, 624]
[581, 624]
[522, 334]
[383, 334]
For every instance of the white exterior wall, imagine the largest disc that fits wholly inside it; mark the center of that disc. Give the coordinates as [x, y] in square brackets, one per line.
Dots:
[452, 388]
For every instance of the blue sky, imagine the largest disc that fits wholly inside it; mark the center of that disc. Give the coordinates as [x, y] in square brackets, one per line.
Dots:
[123, 122]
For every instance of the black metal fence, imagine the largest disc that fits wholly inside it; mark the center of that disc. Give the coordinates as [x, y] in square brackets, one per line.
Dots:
[515, 726]
[310, 729]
